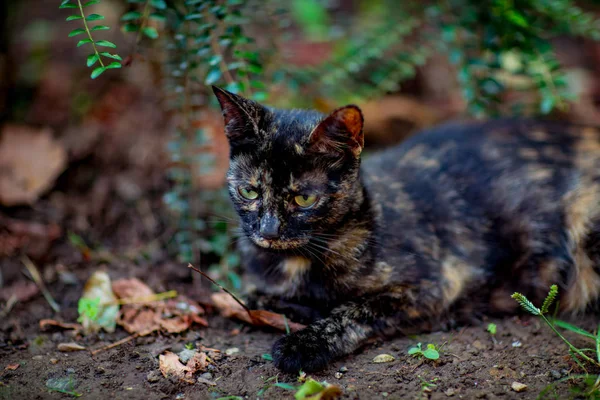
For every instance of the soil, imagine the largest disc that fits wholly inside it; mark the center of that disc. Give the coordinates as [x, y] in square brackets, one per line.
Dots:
[473, 363]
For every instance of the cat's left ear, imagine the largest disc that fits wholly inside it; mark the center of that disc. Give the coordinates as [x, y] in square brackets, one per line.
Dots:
[340, 131]
[241, 116]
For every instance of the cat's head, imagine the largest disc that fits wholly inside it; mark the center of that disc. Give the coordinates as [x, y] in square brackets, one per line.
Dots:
[293, 174]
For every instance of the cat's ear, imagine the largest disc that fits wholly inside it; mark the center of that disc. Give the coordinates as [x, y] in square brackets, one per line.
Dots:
[241, 116]
[340, 131]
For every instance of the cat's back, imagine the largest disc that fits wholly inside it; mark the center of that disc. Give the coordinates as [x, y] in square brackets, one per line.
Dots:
[486, 193]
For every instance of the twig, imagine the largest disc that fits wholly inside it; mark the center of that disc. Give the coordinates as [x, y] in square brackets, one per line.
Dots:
[37, 278]
[9, 305]
[118, 343]
[222, 288]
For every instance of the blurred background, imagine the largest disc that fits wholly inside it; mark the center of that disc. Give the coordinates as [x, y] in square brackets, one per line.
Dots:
[112, 149]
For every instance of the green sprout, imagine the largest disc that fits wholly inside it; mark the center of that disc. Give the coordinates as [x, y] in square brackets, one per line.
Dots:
[491, 328]
[430, 352]
[88, 308]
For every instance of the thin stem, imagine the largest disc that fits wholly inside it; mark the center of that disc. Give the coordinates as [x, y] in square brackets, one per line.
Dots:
[87, 30]
[573, 348]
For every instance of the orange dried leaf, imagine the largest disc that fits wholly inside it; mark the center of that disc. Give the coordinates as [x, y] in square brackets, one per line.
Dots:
[197, 363]
[131, 288]
[12, 367]
[171, 367]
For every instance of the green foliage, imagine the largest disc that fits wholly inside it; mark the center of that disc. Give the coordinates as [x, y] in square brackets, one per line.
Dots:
[97, 56]
[491, 328]
[88, 308]
[495, 47]
[430, 352]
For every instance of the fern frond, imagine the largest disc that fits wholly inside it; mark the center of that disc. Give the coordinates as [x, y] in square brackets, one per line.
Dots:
[550, 298]
[526, 304]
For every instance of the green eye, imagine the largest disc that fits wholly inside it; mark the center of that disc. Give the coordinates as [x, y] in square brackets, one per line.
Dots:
[306, 201]
[248, 194]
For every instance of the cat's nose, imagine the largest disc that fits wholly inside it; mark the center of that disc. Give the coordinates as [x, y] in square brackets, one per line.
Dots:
[269, 226]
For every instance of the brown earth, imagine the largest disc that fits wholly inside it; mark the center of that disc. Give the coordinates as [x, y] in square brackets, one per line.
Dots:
[473, 364]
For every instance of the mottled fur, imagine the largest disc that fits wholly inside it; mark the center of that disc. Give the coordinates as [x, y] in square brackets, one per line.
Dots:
[446, 225]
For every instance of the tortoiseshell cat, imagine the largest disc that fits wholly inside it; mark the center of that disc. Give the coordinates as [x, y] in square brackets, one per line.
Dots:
[450, 222]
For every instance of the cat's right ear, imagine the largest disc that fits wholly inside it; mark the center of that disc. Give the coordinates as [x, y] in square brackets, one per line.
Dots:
[241, 116]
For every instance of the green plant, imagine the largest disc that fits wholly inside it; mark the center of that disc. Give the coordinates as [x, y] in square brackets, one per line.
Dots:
[579, 355]
[427, 386]
[491, 328]
[88, 308]
[495, 47]
[97, 55]
[431, 352]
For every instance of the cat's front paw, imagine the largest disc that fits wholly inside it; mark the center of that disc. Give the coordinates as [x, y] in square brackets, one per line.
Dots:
[302, 350]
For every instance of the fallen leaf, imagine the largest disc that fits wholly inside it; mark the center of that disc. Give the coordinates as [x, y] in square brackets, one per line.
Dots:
[171, 367]
[383, 358]
[313, 390]
[98, 308]
[30, 161]
[196, 363]
[145, 312]
[49, 324]
[131, 288]
[230, 308]
[12, 367]
[68, 347]
[134, 320]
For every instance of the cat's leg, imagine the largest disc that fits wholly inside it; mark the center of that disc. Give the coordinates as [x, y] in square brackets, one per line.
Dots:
[294, 311]
[351, 324]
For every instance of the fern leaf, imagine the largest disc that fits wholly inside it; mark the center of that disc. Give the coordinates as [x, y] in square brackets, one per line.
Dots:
[526, 304]
[550, 298]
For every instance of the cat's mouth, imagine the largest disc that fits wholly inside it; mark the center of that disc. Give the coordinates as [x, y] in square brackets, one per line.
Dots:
[278, 244]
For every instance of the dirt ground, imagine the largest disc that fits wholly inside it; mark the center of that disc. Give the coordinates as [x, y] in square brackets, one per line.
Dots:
[473, 364]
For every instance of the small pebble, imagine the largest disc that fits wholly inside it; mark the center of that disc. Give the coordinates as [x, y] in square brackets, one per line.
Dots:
[385, 394]
[339, 375]
[206, 381]
[478, 345]
[207, 375]
[518, 387]
[554, 374]
[153, 376]
[383, 358]
[70, 370]
[450, 392]
[37, 358]
[517, 343]
[232, 350]
[343, 369]
[186, 354]
[54, 360]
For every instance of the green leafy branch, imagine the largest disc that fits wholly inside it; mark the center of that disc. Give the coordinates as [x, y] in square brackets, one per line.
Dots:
[96, 56]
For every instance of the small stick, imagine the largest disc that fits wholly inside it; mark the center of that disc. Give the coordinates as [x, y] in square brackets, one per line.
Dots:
[37, 278]
[222, 288]
[117, 343]
[146, 299]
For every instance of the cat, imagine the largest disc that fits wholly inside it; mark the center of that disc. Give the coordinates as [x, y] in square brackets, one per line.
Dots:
[445, 226]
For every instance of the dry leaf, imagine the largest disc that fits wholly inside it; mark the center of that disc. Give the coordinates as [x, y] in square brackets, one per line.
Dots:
[196, 363]
[12, 367]
[98, 290]
[131, 288]
[48, 324]
[136, 320]
[30, 161]
[147, 314]
[231, 308]
[68, 347]
[171, 367]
